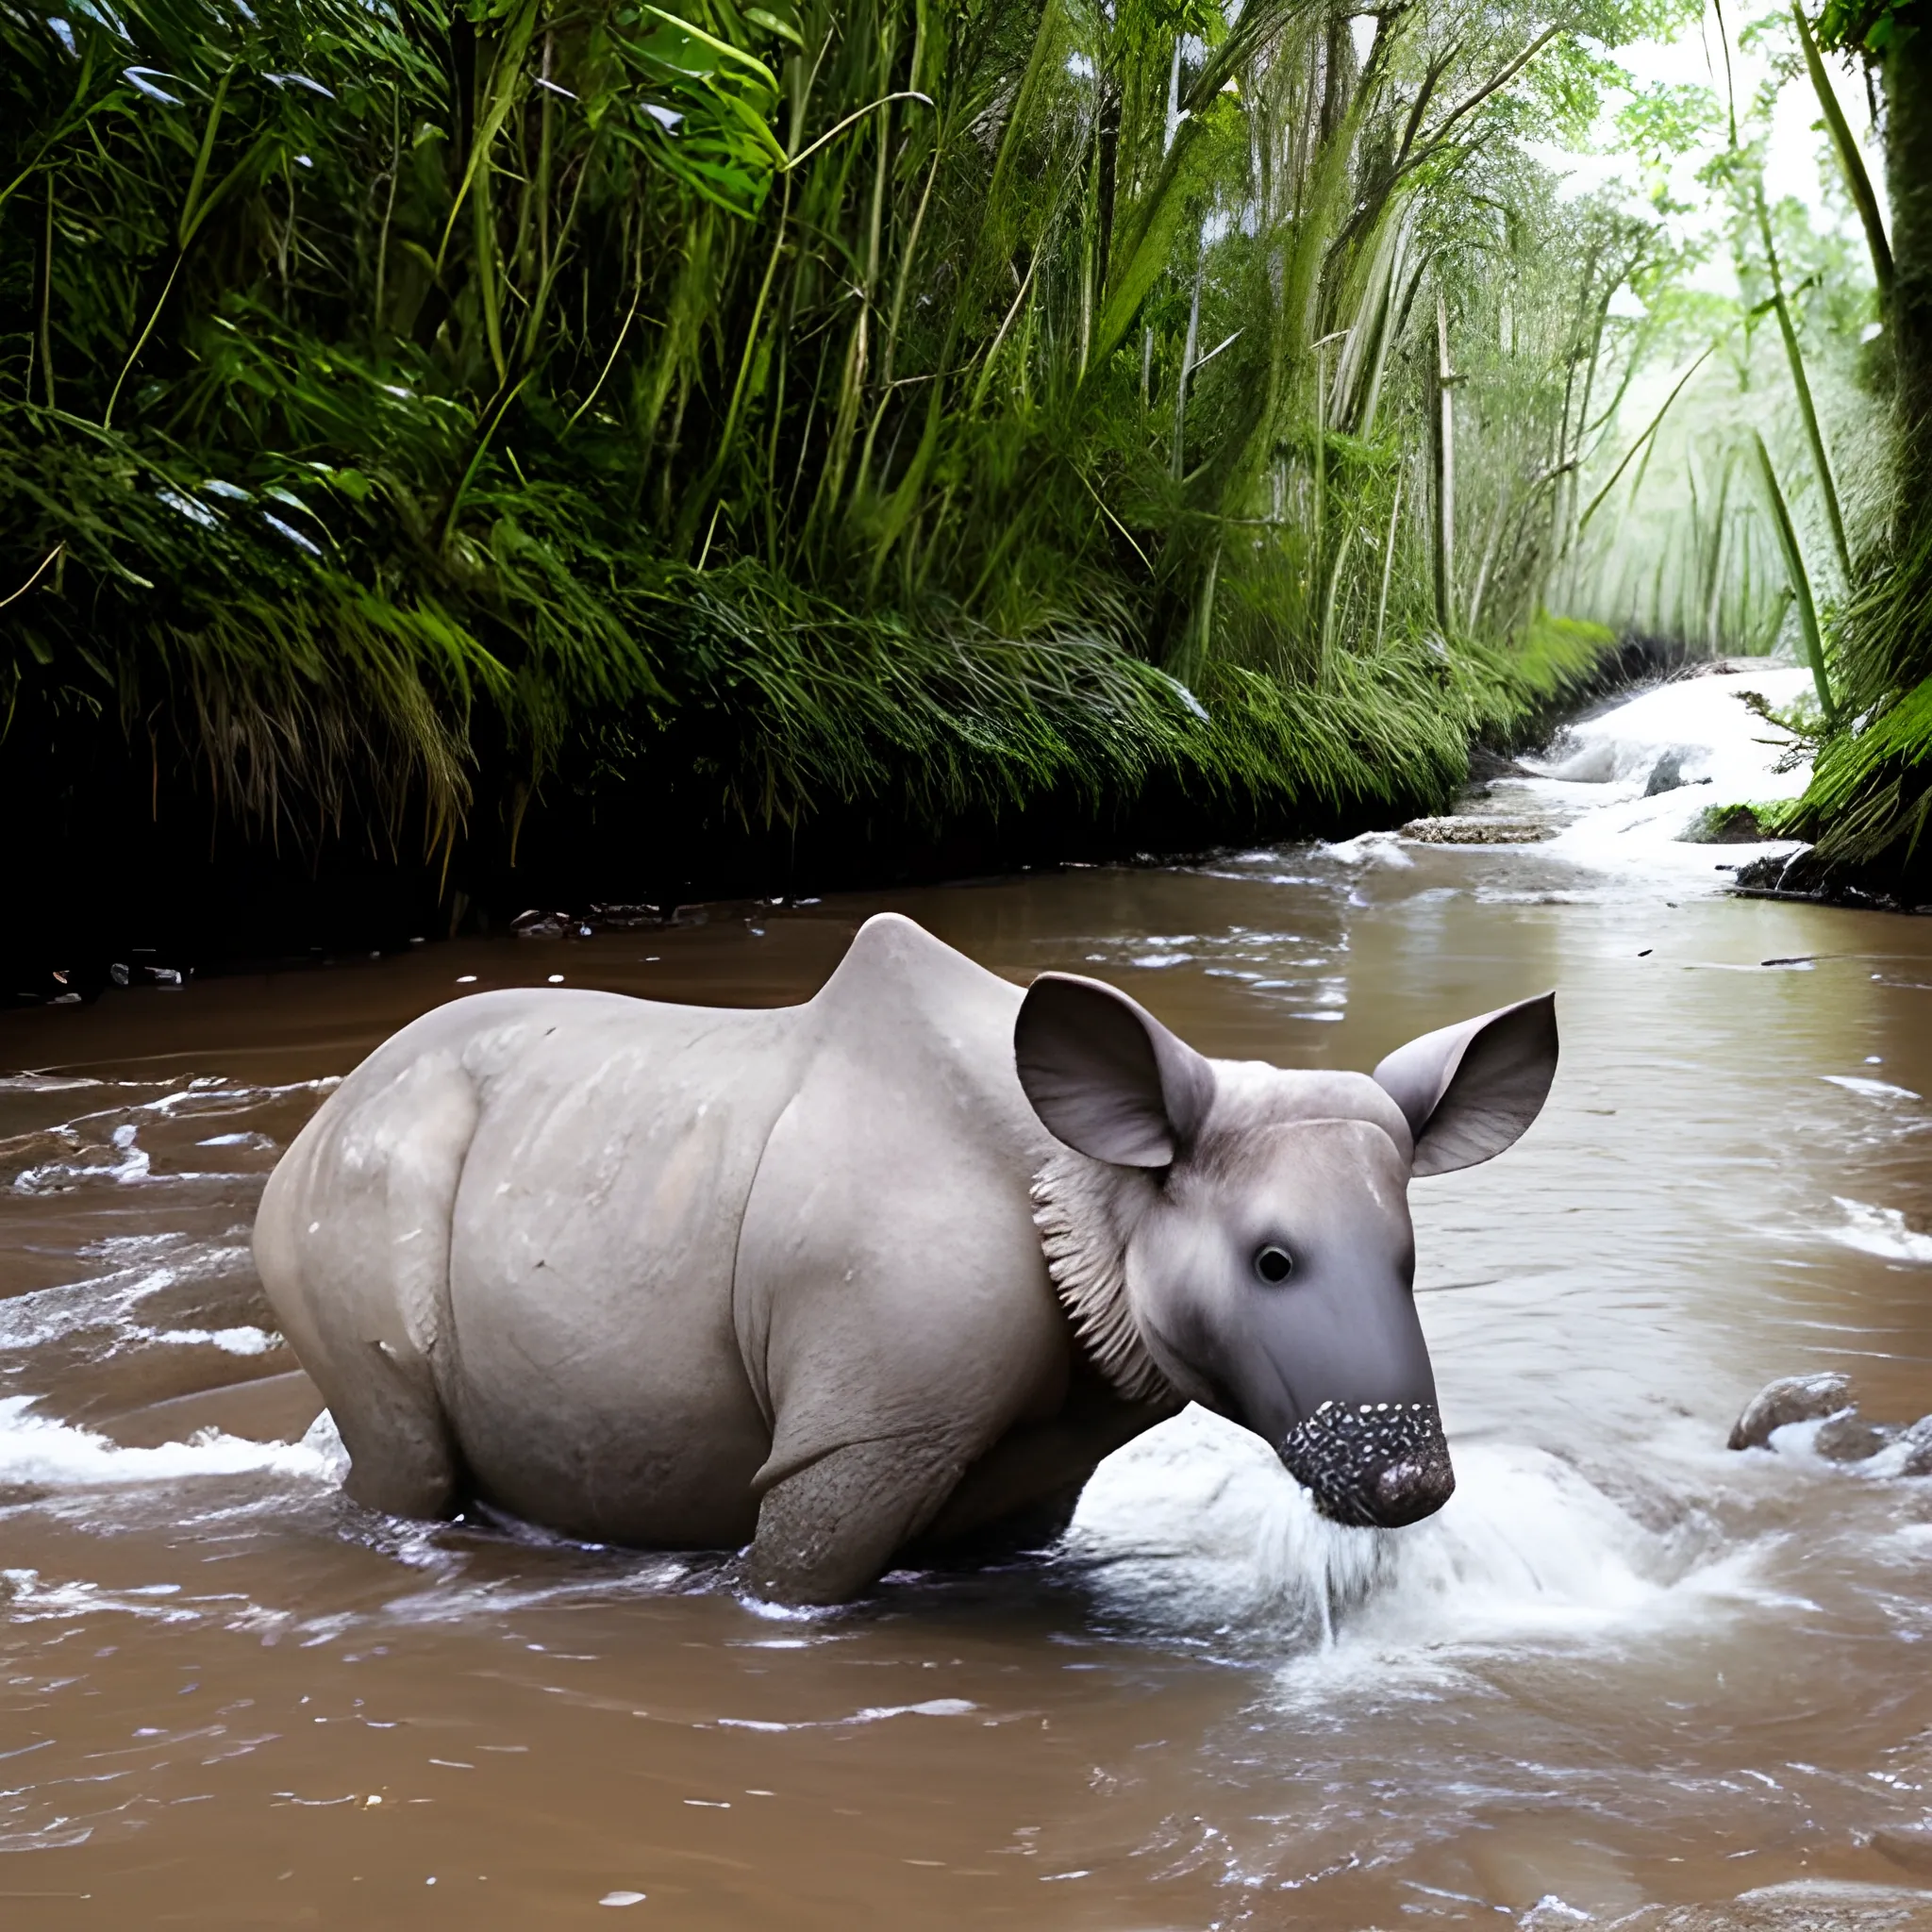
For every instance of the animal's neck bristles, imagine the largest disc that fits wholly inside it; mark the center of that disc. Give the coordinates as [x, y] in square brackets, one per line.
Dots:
[1076, 1212]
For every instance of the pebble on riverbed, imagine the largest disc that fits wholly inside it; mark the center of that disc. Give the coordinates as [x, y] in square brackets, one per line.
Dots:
[1842, 1436]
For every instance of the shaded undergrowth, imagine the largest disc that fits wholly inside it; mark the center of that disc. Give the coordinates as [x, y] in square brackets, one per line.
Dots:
[456, 433]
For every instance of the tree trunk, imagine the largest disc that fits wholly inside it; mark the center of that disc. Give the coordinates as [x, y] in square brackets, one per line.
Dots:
[1445, 440]
[1908, 178]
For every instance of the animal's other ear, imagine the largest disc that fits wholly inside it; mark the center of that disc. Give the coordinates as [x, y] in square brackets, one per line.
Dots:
[1469, 1091]
[1105, 1076]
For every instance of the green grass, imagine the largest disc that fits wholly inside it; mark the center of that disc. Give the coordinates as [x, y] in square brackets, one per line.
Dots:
[1869, 800]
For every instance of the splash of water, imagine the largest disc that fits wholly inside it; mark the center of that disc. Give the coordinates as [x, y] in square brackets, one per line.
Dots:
[1197, 1524]
[41, 1452]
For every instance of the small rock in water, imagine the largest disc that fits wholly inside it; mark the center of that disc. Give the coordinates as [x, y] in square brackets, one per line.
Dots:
[1843, 1434]
[625, 918]
[1849, 1437]
[1666, 774]
[1790, 1399]
[1473, 830]
[1726, 825]
[1908, 1846]
[1918, 1442]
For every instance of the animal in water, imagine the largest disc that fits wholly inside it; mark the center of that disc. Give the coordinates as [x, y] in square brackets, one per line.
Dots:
[869, 1278]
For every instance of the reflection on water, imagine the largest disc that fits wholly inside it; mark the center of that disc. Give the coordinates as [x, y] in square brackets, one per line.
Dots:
[1623, 1666]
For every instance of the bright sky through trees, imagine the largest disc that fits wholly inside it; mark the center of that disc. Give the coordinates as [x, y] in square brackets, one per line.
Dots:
[1798, 158]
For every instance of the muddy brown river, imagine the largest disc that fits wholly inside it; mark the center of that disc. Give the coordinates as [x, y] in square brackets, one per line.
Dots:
[1623, 1668]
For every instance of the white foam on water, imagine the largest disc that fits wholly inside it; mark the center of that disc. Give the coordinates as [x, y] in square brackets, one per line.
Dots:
[871, 1714]
[49, 1838]
[49, 1314]
[324, 1439]
[1880, 1231]
[1368, 848]
[43, 1453]
[56, 1176]
[1197, 1523]
[1869, 1089]
[241, 1340]
[1702, 721]
[26, 1596]
[102, 1145]
[109, 1304]
[454, 1599]
[1601, 768]
[1834, 1894]
[1798, 1442]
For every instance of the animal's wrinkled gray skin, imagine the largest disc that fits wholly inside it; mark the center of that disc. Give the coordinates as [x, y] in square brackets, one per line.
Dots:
[888, 1272]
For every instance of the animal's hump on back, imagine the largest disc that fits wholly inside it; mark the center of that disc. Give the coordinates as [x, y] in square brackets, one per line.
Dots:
[891, 956]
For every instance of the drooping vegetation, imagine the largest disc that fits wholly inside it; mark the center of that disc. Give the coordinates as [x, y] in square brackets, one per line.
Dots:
[1870, 798]
[411, 415]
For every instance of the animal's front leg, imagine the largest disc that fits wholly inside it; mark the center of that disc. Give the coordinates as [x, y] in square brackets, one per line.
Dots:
[830, 1529]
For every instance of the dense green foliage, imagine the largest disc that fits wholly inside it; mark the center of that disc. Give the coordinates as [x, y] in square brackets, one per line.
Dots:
[1870, 798]
[940, 403]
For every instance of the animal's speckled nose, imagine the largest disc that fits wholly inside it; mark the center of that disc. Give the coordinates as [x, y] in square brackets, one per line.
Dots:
[1374, 1465]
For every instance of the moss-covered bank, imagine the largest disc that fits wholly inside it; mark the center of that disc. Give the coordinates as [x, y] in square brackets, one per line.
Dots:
[668, 816]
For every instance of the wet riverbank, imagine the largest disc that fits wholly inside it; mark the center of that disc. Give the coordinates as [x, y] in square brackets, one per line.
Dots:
[126, 860]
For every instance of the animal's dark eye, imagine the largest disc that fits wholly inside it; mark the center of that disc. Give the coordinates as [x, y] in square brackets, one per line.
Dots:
[1273, 1265]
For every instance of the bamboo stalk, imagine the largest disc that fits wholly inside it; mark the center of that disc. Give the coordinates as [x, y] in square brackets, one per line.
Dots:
[1794, 355]
[1180, 394]
[1800, 581]
[1445, 474]
[44, 297]
[1850, 160]
[1643, 441]
[389, 206]
[1388, 564]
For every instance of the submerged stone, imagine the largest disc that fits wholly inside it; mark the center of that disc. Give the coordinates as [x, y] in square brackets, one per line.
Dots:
[1666, 774]
[1479, 831]
[1918, 1446]
[1849, 1437]
[1790, 1399]
[1726, 825]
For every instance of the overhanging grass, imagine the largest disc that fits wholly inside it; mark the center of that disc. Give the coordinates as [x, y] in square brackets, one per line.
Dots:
[1869, 799]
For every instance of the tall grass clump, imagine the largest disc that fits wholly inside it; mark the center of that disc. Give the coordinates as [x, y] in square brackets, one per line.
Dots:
[414, 412]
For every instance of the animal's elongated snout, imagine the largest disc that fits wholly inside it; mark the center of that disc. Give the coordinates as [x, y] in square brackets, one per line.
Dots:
[1376, 1465]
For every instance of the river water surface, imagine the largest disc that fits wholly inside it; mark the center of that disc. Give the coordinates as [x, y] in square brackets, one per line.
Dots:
[1623, 1667]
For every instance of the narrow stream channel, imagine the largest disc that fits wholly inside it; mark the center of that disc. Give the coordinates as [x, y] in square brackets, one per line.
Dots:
[1623, 1666]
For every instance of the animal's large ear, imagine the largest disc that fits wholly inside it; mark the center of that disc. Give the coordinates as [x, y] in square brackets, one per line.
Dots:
[1469, 1091]
[1105, 1076]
